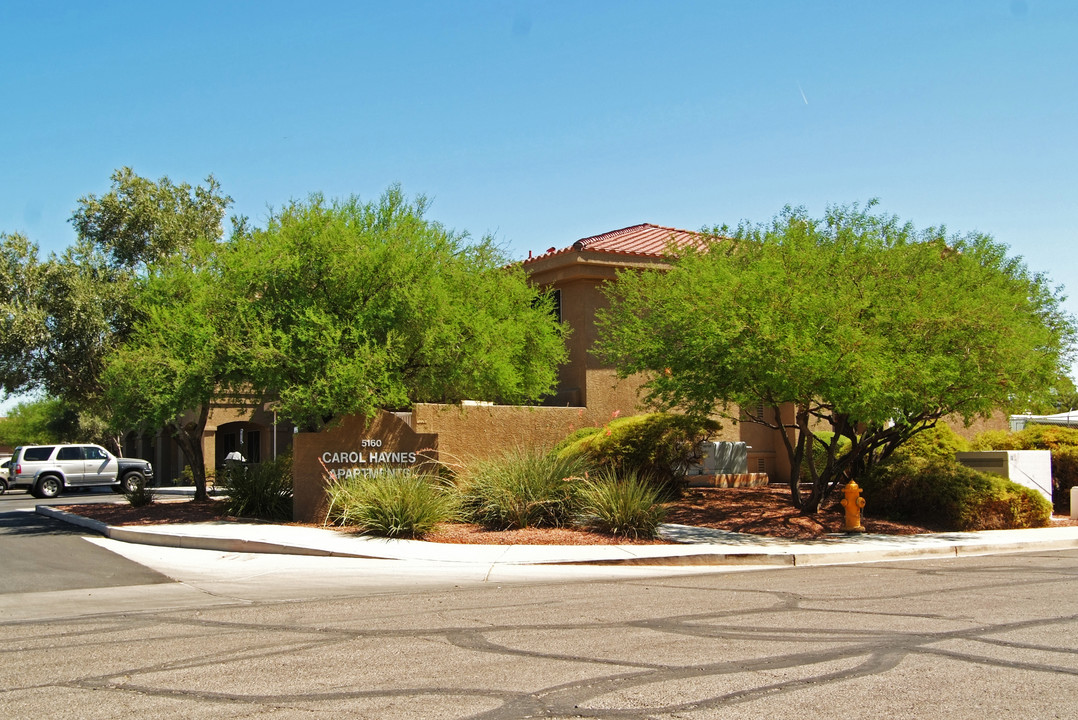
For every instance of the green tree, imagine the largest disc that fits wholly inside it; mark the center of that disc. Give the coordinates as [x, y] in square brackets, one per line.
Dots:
[870, 330]
[61, 317]
[347, 307]
[58, 319]
[36, 422]
[140, 221]
[176, 359]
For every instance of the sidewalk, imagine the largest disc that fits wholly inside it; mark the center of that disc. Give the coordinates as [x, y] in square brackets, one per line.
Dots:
[695, 546]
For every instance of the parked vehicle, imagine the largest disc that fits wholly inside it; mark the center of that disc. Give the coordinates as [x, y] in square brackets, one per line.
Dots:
[48, 470]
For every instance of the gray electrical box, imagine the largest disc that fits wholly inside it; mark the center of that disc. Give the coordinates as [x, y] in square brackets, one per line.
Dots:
[722, 458]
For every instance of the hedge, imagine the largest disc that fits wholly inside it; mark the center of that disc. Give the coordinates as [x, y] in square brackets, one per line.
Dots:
[943, 494]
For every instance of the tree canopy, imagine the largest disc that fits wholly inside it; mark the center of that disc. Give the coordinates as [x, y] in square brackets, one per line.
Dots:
[140, 221]
[347, 307]
[868, 329]
[37, 422]
[60, 317]
[176, 359]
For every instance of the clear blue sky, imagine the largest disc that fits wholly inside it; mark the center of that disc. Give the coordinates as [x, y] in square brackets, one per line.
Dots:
[544, 122]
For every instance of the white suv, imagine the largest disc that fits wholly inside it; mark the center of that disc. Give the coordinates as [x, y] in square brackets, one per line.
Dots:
[48, 470]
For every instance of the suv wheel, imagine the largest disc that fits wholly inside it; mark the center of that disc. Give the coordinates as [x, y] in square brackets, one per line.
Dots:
[49, 487]
[131, 482]
[3, 485]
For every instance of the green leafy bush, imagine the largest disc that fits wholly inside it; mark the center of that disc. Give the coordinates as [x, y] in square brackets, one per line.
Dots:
[522, 488]
[392, 504]
[260, 491]
[578, 434]
[944, 494]
[1062, 442]
[940, 442]
[658, 446]
[1046, 437]
[994, 440]
[1064, 476]
[625, 505]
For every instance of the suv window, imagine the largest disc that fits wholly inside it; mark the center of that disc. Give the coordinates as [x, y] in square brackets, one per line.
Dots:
[69, 453]
[37, 453]
[95, 453]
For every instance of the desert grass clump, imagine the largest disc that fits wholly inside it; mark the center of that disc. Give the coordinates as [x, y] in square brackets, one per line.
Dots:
[393, 504]
[522, 488]
[627, 505]
[141, 496]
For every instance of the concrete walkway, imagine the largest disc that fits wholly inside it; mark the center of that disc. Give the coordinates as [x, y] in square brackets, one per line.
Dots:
[693, 545]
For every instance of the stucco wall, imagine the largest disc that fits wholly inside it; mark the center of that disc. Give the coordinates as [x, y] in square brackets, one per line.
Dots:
[480, 431]
[999, 420]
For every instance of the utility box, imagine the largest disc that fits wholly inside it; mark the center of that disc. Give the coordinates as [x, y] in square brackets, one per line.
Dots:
[1030, 468]
[721, 458]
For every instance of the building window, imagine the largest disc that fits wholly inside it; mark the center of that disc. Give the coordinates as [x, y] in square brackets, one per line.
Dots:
[760, 466]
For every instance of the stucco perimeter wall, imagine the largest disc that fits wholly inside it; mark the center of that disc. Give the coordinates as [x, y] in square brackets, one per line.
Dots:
[999, 420]
[479, 431]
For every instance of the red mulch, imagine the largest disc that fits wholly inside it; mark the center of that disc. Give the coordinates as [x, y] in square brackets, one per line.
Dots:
[768, 511]
[161, 512]
[758, 511]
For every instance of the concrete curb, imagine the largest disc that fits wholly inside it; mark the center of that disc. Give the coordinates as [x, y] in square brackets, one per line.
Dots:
[191, 542]
[773, 554]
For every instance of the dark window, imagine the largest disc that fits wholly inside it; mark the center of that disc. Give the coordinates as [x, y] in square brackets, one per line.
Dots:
[37, 453]
[69, 453]
[555, 309]
[95, 453]
[254, 446]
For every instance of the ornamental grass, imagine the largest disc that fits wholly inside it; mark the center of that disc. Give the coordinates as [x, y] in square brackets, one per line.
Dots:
[393, 504]
[629, 505]
[522, 488]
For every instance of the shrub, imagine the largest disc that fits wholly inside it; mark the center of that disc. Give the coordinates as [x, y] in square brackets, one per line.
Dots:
[522, 488]
[659, 447]
[141, 496]
[941, 493]
[392, 504]
[1046, 437]
[1064, 476]
[939, 442]
[994, 440]
[260, 491]
[628, 505]
[573, 437]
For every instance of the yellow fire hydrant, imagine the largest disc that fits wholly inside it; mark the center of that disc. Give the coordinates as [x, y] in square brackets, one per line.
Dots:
[853, 502]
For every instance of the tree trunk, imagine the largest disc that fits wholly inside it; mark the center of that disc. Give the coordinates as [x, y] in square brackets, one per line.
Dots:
[189, 438]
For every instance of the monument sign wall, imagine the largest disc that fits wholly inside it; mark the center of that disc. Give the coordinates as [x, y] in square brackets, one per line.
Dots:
[355, 447]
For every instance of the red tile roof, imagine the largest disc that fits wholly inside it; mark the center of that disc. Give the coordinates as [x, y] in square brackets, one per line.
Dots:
[643, 239]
